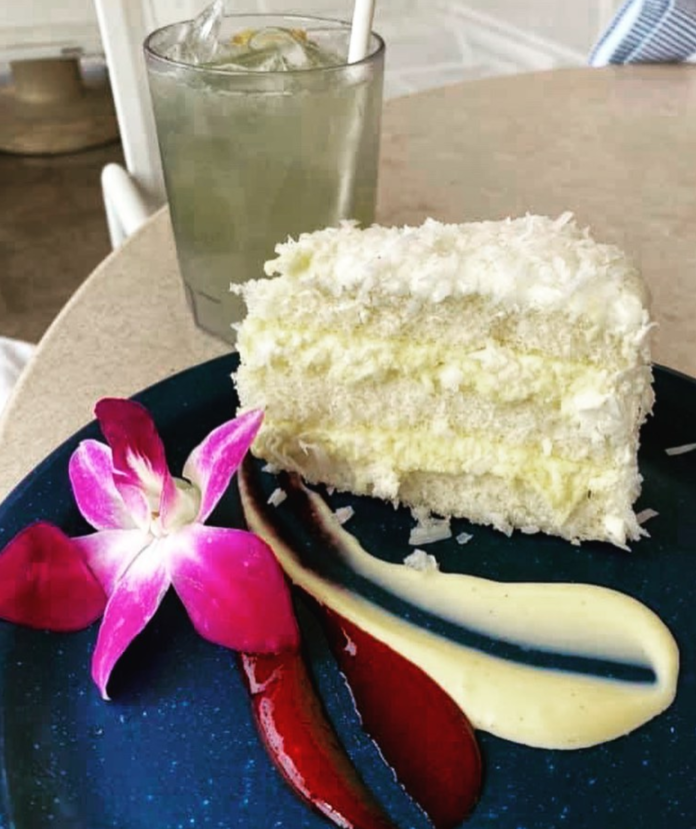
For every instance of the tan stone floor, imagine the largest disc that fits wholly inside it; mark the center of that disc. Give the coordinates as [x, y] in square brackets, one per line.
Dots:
[52, 234]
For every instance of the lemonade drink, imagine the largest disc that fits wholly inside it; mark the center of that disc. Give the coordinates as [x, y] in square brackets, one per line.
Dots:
[255, 149]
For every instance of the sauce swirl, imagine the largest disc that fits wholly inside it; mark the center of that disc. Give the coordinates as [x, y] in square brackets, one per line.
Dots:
[535, 706]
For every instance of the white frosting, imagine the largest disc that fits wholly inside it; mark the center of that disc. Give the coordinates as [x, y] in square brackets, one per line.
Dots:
[532, 262]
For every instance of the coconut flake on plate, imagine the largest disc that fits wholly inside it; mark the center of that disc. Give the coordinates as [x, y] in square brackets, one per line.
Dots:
[646, 515]
[421, 561]
[681, 450]
[463, 538]
[277, 497]
[344, 514]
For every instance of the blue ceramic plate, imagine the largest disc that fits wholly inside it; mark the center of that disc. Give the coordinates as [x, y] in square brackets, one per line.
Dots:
[177, 747]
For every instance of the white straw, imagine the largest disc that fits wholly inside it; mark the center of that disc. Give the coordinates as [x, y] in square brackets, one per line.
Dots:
[361, 28]
[363, 13]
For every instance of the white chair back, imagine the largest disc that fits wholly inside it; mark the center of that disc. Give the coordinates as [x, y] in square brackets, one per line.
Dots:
[130, 197]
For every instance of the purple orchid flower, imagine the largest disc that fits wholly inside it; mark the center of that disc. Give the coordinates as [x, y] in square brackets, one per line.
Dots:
[150, 535]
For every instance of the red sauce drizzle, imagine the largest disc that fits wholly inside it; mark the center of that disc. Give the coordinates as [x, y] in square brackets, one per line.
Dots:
[422, 733]
[303, 744]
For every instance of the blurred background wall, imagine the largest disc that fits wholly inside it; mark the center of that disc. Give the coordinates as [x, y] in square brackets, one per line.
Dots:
[431, 40]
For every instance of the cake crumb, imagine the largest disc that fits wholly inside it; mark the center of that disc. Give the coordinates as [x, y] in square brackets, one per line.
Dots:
[271, 468]
[277, 497]
[681, 450]
[463, 538]
[344, 514]
[421, 561]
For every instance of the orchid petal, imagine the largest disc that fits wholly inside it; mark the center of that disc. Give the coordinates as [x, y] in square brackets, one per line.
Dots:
[132, 604]
[45, 584]
[214, 461]
[140, 464]
[233, 589]
[91, 475]
[110, 552]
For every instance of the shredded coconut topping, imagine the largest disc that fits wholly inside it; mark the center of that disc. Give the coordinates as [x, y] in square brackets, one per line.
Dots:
[533, 261]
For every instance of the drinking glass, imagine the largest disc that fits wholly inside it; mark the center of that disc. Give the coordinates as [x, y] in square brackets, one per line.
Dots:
[253, 154]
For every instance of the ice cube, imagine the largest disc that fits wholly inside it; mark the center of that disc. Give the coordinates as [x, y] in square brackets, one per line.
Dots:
[199, 43]
[273, 49]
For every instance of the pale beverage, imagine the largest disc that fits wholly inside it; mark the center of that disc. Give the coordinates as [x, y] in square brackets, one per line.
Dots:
[271, 135]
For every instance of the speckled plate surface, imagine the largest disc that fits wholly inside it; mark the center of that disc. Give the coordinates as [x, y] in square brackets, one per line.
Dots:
[177, 746]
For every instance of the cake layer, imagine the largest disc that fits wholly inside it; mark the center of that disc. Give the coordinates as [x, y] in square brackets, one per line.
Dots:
[390, 454]
[466, 323]
[605, 516]
[493, 370]
[317, 376]
[472, 477]
[313, 402]
[534, 262]
[534, 283]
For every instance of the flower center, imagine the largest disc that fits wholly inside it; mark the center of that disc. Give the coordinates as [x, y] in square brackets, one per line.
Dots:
[188, 501]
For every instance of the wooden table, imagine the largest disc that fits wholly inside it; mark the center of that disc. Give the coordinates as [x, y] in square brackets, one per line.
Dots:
[617, 146]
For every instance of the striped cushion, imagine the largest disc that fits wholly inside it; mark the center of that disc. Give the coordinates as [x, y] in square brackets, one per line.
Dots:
[648, 31]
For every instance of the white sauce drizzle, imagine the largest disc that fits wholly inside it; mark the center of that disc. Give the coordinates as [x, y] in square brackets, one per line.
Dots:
[536, 706]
